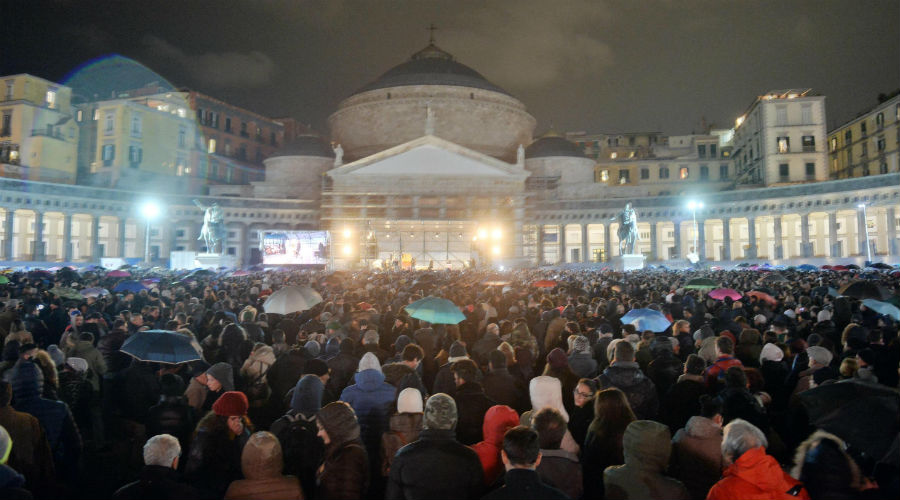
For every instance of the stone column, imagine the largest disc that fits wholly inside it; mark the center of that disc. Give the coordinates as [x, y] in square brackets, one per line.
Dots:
[562, 243]
[861, 232]
[893, 246]
[726, 239]
[751, 238]
[835, 250]
[585, 246]
[39, 252]
[540, 244]
[654, 251]
[677, 232]
[701, 239]
[779, 240]
[244, 251]
[8, 225]
[607, 242]
[121, 237]
[67, 237]
[805, 244]
[518, 230]
[95, 238]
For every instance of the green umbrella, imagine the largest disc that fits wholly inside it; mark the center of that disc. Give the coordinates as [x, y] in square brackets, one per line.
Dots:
[3, 280]
[435, 310]
[65, 292]
[701, 283]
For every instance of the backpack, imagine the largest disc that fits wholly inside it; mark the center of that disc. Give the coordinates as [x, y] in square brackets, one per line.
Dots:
[302, 448]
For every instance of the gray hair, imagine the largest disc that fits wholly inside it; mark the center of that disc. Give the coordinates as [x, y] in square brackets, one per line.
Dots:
[739, 437]
[161, 450]
[493, 328]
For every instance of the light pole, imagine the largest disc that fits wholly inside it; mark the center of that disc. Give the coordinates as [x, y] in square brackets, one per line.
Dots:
[866, 226]
[150, 210]
[694, 205]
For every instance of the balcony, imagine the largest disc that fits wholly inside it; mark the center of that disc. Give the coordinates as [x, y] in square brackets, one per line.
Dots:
[47, 133]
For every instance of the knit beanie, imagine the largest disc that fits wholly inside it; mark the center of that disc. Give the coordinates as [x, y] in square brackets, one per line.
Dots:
[339, 421]
[440, 412]
[307, 397]
[58, 357]
[5, 445]
[581, 345]
[171, 385]
[409, 401]
[224, 374]
[557, 359]
[771, 352]
[820, 355]
[312, 348]
[315, 367]
[457, 351]
[369, 361]
[231, 403]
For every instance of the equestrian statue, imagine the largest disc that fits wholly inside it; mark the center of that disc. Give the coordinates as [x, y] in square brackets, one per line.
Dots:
[213, 231]
[627, 232]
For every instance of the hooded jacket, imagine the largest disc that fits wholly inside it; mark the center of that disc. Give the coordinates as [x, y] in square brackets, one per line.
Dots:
[85, 349]
[404, 429]
[646, 449]
[302, 449]
[638, 388]
[756, 475]
[372, 399]
[497, 421]
[547, 391]
[697, 455]
[12, 484]
[31, 455]
[261, 463]
[344, 473]
[435, 466]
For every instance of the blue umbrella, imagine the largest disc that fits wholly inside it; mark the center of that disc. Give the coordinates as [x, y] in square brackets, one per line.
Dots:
[884, 308]
[646, 319]
[807, 267]
[162, 346]
[436, 310]
[130, 286]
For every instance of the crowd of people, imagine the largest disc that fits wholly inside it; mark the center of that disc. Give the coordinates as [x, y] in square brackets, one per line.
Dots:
[782, 387]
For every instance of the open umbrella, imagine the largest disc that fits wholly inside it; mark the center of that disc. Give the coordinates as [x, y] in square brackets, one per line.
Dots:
[646, 319]
[130, 286]
[3, 280]
[118, 273]
[291, 299]
[65, 292]
[240, 272]
[807, 267]
[861, 290]
[762, 296]
[881, 265]
[435, 310]
[162, 346]
[701, 283]
[884, 308]
[93, 292]
[774, 278]
[544, 284]
[721, 293]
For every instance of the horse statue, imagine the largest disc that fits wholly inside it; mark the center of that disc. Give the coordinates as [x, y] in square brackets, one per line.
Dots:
[213, 230]
[627, 232]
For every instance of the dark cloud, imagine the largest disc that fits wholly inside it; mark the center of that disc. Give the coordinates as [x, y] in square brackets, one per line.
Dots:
[217, 69]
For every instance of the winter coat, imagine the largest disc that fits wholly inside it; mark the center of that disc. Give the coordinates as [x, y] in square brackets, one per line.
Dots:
[561, 469]
[583, 365]
[755, 475]
[261, 463]
[483, 347]
[214, 460]
[748, 347]
[345, 473]
[471, 407]
[682, 401]
[500, 386]
[580, 419]
[85, 349]
[372, 399]
[740, 403]
[435, 466]
[497, 421]
[404, 429]
[172, 415]
[602, 448]
[12, 485]
[646, 449]
[775, 373]
[715, 373]
[525, 484]
[157, 482]
[697, 455]
[31, 455]
[664, 371]
[640, 390]
[443, 381]
[401, 376]
[258, 364]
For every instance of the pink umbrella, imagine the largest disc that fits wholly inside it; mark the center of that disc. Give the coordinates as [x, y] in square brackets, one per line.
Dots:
[240, 272]
[118, 274]
[721, 293]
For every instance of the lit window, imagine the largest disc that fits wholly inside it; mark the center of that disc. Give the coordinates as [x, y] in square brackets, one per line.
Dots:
[613, 155]
[182, 113]
[604, 175]
[809, 143]
[624, 176]
[684, 172]
[784, 145]
[79, 115]
[96, 115]
[212, 146]
[833, 144]
[51, 98]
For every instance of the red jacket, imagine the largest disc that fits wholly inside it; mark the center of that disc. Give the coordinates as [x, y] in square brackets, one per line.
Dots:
[716, 371]
[497, 421]
[756, 475]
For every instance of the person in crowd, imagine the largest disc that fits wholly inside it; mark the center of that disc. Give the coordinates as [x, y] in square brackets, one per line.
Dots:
[344, 472]
[262, 465]
[471, 403]
[172, 415]
[215, 456]
[500, 386]
[371, 399]
[646, 447]
[497, 421]
[558, 468]
[547, 391]
[683, 399]
[558, 367]
[31, 456]
[826, 470]
[159, 478]
[521, 455]
[436, 465]
[819, 359]
[581, 360]
[697, 449]
[488, 343]
[303, 451]
[715, 373]
[624, 374]
[665, 366]
[405, 372]
[583, 412]
[219, 380]
[603, 443]
[404, 426]
[739, 402]
[749, 347]
[443, 380]
[12, 484]
[749, 471]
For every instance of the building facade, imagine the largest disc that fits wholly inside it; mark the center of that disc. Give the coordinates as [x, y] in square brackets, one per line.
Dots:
[868, 144]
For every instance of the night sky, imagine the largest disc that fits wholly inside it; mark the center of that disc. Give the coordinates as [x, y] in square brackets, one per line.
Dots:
[598, 66]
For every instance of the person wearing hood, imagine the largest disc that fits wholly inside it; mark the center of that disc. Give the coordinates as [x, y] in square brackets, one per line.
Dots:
[547, 391]
[624, 374]
[774, 372]
[436, 465]
[215, 456]
[12, 484]
[822, 464]
[697, 449]
[558, 468]
[646, 446]
[344, 473]
[497, 420]
[581, 360]
[172, 415]
[219, 379]
[372, 400]
[750, 472]
[405, 426]
[343, 364]
[159, 477]
[296, 430]
[31, 456]
[261, 463]
[54, 416]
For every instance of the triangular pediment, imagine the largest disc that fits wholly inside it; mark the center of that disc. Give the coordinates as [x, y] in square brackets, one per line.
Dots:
[433, 157]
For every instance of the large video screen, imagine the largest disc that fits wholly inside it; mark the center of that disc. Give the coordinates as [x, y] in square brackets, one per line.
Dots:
[293, 247]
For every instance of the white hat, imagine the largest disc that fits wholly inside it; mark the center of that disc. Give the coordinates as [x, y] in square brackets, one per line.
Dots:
[759, 319]
[410, 401]
[824, 315]
[547, 391]
[771, 352]
[820, 355]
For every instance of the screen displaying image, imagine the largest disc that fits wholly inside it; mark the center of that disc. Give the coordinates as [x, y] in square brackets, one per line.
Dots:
[293, 247]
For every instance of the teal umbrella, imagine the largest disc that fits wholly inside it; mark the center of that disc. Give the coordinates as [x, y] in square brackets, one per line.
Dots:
[701, 283]
[435, 310]
[884, 308]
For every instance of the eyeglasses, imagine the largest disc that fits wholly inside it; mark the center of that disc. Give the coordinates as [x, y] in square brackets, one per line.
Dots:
[586, 395]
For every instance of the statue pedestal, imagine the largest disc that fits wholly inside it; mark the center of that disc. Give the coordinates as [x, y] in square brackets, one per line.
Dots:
[214, 261]
[628, 262]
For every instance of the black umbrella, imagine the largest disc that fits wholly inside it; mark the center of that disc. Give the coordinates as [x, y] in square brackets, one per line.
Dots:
[862, 290]
[864, 415]
[881, 265]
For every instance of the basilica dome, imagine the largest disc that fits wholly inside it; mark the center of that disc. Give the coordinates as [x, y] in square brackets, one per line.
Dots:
[431, 93]
[552, 144]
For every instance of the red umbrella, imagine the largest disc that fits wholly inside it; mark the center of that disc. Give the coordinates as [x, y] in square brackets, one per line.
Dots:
[721, 293]
[544, 284]
[118, 274]
[762, 296]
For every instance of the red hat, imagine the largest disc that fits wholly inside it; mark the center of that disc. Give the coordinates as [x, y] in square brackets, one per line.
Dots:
[232, 403]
